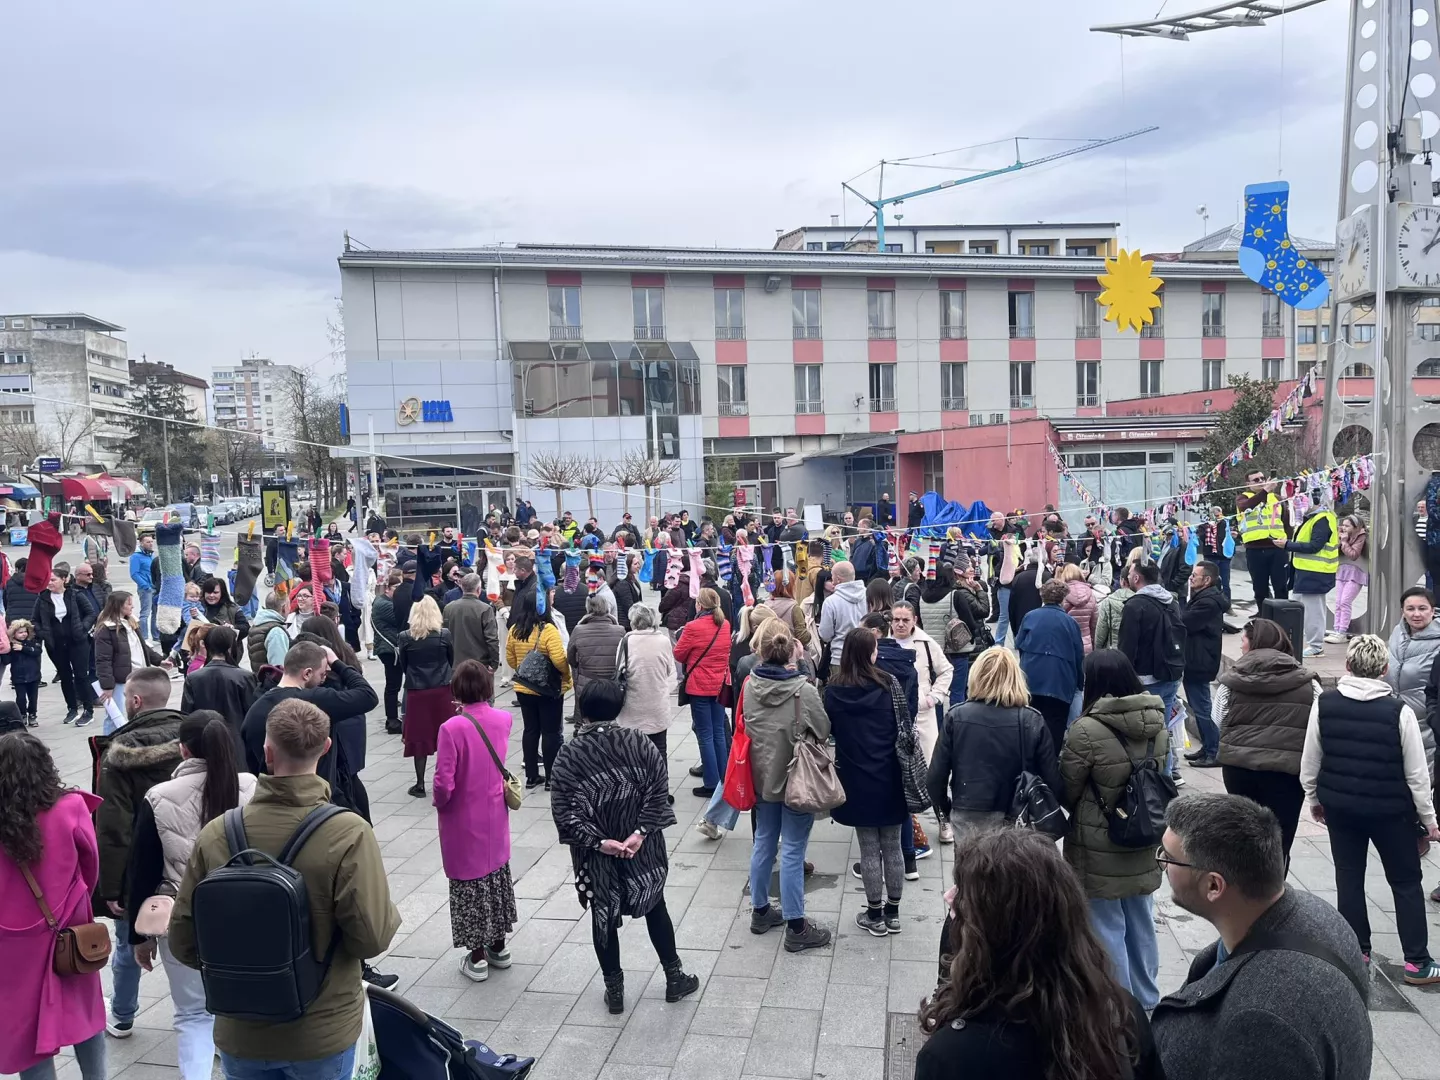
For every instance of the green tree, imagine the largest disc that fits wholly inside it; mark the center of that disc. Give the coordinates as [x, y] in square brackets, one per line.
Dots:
[721, 476]
[1254, 401]
[153, 442]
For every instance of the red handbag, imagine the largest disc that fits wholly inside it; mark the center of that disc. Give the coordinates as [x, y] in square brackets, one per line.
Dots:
[739, 779]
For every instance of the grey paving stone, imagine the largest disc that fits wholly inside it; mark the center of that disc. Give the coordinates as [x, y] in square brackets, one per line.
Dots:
[724, 1019]
[710, 1057]
[537, 940]
[531, 1023]
[492, 999]
[798, 980]
[783, 1043]
[703, 928]
[911, 981]
[746, 954]
[569, 966]
[721, 888]
[634, 1072]
[1408, 1043]
[861, 958]
[576, 1053]
[849, 1062]
[854, 1015]
[654, 1033]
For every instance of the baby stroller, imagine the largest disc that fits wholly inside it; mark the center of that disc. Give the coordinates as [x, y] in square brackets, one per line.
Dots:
[413, 1045]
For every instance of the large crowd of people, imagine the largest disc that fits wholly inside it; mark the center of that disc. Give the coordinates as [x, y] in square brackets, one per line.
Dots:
[1022, 695]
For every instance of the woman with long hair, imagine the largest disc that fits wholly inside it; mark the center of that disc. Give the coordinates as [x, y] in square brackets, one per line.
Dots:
[1352, 575]
[221, 684]
[1026, 990]
[1120, 723]
[325, 629]
[787, 609]
[704, 649]
[879, 597]
[425, 657]
[861, 702]
[46, 828]
[118, 651]
[387, 644]
[541, 714]
[207, 782]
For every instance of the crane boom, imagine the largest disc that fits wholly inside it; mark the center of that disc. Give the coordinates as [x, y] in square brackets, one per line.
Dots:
[879, 203]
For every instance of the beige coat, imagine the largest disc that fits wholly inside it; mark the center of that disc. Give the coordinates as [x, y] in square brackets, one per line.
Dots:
[933, 672]
[649, 664]
[177, 807]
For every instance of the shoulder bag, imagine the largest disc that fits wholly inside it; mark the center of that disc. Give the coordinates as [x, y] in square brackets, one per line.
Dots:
[622, 662]
[683, 672]
[1137, 818]
[1033, 805]
[739, 790]
[514, 792]
[1283, 942]
[913, 769]
[812, 785]
[79, 950]
[537, 673]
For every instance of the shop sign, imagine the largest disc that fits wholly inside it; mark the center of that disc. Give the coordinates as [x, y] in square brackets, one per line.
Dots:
[1134, 435]
[425, 412]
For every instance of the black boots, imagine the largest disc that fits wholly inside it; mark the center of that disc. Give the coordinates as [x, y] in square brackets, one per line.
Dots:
[615, 992]
[678, 984]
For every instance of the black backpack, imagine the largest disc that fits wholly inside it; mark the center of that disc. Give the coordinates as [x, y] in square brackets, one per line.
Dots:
[252, 929]
[1170, 641]
[1137, 820]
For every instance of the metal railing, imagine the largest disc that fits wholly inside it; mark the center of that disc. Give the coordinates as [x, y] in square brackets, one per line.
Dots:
[807, 333]
[882, 404]
[955, 404]
[1150, 393]
[1022, 401]
[564, 332]
[1083, 331]
[809, 408]
[1212, 330]
[735, 408]
[653, 332]
[1155, 330]
[952, 332]
[1022, 330]
[1272, 328]
[729, 333]
[882, 333]
[1087, 401]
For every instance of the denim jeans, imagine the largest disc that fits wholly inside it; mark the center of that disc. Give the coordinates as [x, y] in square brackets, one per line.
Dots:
[707, 718]
[1002, 600]
[89, 1055]
[336, 1067]
[1197, 695]
[1127, 930]
[719, 812]
[959, 680]
[777, 825]
[125, 998]
[1167, 692]
[144, 610]
[194, 1027]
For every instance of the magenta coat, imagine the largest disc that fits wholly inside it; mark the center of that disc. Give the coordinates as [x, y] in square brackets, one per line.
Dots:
[469, 797]
[44, 1012]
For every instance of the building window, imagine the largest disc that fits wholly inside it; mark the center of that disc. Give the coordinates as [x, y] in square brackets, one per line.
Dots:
[649, 307]
[929, 249]
[835, 245]
[1212, 375]
[1212, 315]
[882, 313]
[1087, 383]
[1022, 314]
[893, 247]
[17, 324]
[1430, 301]
[1271, 322]
[808, 398]
[805, 313]
[982, 249]
[1082, 250]
[729, 314]
[1156, 329]
[1304, 335]
[952, 387]
[1430, 369]
[1358, 370]
[952, 313]
[662, 435]
[1304, 367]
[1087, 315]
[882, 387]
[1360, 332]
[814, 245]
[1022, 384]
[1426, 331]
[1324, 333]
[564, 312]
[765, 476]
[1271, 368]
[1150, 377]
[1037, 249]
[932, 472]
[730, 379]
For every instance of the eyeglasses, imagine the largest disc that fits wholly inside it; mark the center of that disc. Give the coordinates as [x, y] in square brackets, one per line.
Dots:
[1163, 858]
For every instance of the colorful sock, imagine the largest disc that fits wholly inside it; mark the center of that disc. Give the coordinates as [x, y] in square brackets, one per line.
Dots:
[932, 559]
[251, 561]
[45, 543]
[697, 571]
[647, 568]
[746, 593]
[572, 570]
[672, 567]
[622, 562]
[787, 553]
[124, 537]
[210, 552]
[492, 581]
[1269, 257]
[321, 572]
[545, 570]
[172, 578]
[365, 559]
[287, 554]
[722, 564]
[594, 575]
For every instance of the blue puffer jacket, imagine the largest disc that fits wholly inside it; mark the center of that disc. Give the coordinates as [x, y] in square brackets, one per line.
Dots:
[1052, 653]
[141, 568]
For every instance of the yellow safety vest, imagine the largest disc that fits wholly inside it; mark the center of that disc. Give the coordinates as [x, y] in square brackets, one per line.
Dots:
[1327, 559]
[1262, 521]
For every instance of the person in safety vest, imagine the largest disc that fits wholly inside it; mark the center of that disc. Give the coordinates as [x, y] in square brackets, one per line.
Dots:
[1262, 530]
[1316, 554]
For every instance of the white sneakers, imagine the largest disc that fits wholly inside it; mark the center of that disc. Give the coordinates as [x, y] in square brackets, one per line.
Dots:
[709, 831]
[1332, 638]
[475, 972]
[947, 833]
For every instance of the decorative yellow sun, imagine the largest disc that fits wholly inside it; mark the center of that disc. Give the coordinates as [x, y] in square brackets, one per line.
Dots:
[1128, 291]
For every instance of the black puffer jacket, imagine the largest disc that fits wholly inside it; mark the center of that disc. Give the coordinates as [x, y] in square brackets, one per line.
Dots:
[981, 752]
[627, 595]
[1204, 619]
[19, 604]
[571, 604]
[140, 755]
[221, 686]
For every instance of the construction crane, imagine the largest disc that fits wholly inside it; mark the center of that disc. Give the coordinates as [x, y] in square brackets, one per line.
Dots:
[881, 201]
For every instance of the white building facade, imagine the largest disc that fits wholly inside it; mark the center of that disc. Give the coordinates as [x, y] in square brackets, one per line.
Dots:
[253, 396]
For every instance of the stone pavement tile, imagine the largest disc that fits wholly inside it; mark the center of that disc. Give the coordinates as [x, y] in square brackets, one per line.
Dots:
[1408, 1043]
[406, 843]
[783, 1043]
[710, 1057]
[139, 1046]
[824, 895]
[654, 1032]
[831, 858]
[634, 1072]
[733, 853]
[1380, 1067]
[911, 982]
[413, 971]
[721, 888]
[746, 954]
[436, 1000]
[576, 1053]
[703, 928]
[736, 1020]
[570, 966]
[694, 962]
[164, 1052]
[141, 1071]
[591, 1011]
[920, 938]
[798, 980]
[687, 868]
[678, 900]
[429, 936]
[536, 941]
[861, 958]
[494, 998]
[532, 1022]
[402, 885]
[854, 1016]
[849, 1062]
[563, 904]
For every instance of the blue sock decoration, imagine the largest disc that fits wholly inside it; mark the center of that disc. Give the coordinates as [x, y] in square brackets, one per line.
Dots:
[1269, 257]
[647, 568]
[172, 579]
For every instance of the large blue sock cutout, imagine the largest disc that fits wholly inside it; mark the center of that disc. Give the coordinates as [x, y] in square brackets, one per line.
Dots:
[1269, 257]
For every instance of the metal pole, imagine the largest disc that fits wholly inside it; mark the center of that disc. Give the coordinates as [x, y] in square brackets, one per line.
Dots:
[165, 445]
[374, 485]
[1388, 406]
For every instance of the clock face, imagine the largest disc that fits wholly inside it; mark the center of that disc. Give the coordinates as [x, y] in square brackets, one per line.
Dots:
[1418, 246]
[1353, 254]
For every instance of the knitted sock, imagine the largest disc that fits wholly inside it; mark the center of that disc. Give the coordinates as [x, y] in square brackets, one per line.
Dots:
[45, 543]
[492, 581]
[101, 526]
[287, 554]
[210, 552]
[622, 562]
[251, 562]
[124, 537]
[932, 558]
[595, 575]
[673, 567]
[365, 559]
[722, 564]
[321, 572]
[697, 571]
[647, 568]
[787, 551]
[172, 578]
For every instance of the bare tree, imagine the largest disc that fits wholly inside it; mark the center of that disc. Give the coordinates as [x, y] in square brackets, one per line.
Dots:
[235, 454]
[655, 475]
[72, 427]
[627, 472]
[21, 444]
[314, 421]
[589, 472]
[556, 472]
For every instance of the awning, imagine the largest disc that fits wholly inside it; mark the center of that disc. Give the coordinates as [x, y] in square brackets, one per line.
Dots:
[24, 491]
[10, 504]
[83, 487]
[129, 488]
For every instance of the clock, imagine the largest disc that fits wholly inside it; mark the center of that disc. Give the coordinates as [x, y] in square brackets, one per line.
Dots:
[1417, 247]
[1353, 273]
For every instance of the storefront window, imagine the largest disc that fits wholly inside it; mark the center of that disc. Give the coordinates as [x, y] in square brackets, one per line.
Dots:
[866, 476]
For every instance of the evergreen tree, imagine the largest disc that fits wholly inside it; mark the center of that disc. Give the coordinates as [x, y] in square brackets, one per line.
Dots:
[1254, 401]
[151, 438]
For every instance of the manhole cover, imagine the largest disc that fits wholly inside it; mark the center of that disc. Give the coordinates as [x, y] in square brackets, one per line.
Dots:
[903, 1039]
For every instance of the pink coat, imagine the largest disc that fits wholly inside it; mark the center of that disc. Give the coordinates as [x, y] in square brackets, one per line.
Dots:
[1081, 605]
[469, 797]
[44, 1012]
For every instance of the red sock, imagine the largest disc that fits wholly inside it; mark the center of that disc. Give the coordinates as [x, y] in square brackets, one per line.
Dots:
[321, 573]
[45, 543]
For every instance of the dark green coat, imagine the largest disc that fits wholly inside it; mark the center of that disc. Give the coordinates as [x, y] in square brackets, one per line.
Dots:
[1108, 871]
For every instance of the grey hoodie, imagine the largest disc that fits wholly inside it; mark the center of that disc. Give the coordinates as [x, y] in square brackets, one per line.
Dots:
[842, 612]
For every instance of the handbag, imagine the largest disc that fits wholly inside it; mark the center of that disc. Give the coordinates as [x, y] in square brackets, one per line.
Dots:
[537, 673]
[153, 918]
[739, 777]
[682, 697]
[622, 662]
[812, 786]
[913, 769]
[1033, 805]
[514, 791]
[79, 950]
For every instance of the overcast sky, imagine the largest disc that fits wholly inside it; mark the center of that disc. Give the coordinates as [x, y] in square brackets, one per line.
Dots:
[189, 173]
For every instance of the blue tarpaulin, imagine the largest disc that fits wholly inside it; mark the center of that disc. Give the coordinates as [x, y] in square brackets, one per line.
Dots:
[940, 515]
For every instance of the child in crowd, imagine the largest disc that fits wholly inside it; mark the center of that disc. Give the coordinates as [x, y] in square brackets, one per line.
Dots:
[25, 668]
[189, 654]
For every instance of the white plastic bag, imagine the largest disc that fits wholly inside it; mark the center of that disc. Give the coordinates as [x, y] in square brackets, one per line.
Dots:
[367, 1054]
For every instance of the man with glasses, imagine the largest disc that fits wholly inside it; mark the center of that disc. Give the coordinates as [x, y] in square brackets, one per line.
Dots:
[1283, 993]
[1262, 524]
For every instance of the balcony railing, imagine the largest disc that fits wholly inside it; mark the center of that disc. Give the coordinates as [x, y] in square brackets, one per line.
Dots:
[882, 404]
[955, 404]
[952, 332]
[729, 333]
[1087, 401]
[1149, 393]
[653, 332]
[809, 408]
[1022, 401]
[735, 408]
[1156, 330]
[1083, 331]
[1272, 328]
[807, 333]
[1212, 330]
[882, 333]
[1022, 330]
[564, 332]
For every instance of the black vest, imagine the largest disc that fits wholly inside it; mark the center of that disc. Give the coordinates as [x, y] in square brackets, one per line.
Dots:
[1362, 771]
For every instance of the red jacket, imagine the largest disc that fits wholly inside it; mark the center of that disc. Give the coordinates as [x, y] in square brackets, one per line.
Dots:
[707, 666]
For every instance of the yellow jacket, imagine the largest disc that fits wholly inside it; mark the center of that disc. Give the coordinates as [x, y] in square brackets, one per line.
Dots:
[517, 648]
